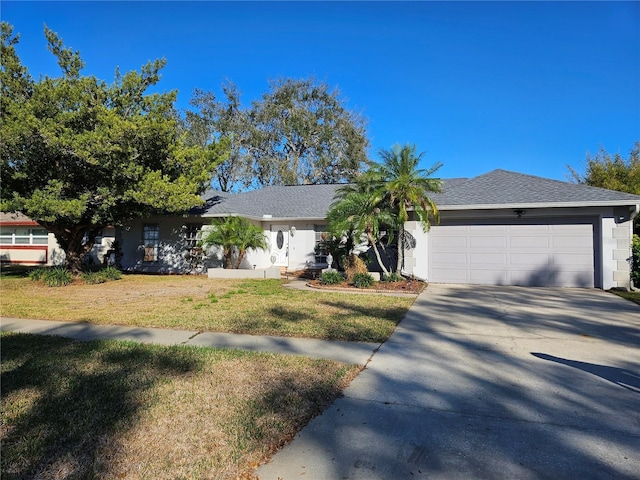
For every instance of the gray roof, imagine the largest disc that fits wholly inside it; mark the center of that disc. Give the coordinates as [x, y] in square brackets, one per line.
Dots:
[496, 189]
[504, 189]
[292, 202]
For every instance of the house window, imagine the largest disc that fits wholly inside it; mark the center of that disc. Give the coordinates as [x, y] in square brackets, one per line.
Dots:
[321, 250]
[151, 241]
[24, 236]
[192, 235]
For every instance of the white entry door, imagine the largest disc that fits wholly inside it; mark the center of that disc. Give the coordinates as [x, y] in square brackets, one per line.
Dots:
[280, 245]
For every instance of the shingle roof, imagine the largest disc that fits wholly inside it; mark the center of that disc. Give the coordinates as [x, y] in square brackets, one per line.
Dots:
[503, 188]
[15, 218]
[496, 189]
[298, 201]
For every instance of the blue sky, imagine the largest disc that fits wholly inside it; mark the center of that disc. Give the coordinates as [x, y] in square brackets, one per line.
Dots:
[523, 86]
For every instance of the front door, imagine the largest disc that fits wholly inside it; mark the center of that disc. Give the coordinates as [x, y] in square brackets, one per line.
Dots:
[280, 245]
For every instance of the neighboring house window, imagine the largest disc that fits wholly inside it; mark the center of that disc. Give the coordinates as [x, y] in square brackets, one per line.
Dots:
[151, 240]
[321, 250]
[192, 235]
[24, 236]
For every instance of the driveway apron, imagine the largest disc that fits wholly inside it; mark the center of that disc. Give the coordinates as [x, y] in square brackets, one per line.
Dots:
[490, 383]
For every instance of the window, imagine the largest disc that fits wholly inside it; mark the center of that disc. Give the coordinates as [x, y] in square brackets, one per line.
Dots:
[151, 240]
[24, 236]
[192, 235]
[321, 249]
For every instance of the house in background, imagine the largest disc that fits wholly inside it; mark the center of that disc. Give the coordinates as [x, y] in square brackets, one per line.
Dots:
[500, 228]
[24, 242]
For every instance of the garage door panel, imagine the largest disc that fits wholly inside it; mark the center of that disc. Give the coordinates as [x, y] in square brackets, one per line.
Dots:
[529, 242]
[451, 275]
[490, 277]
[578, 261]
[445, 259]
[488, 258]
[487, 242]
[557, 253]
[450, 241]
[531, 278]
[529, 259]
[572, 243]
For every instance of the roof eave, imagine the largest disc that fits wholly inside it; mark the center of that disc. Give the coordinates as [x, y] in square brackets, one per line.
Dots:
[497, 206]
[263, 218]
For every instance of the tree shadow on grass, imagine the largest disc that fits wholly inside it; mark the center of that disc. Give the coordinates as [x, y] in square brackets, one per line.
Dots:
[66, 403]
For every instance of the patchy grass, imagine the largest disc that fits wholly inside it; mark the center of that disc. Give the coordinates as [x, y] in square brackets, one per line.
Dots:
[260, 307]
[122, 410]
[631, 296]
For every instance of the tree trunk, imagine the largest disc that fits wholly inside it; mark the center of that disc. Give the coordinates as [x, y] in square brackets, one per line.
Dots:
[400, 249]
[375, 250]
[228, 258]
[241, 254]
[72, 242]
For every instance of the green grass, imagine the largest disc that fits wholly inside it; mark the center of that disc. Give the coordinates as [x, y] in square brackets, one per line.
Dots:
[631, 296]
[113, 410]
[258, 307]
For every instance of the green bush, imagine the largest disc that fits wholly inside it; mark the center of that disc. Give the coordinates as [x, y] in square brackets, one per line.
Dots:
[92, 278]
[635, 260]
[362, 280]
[111, 273]
[37, 274]
[392, 277]
[57, 277]
[331, 277]
[101, 276]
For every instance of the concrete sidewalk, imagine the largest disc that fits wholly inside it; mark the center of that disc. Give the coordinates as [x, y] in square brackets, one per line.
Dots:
[487, 383]
[357, 353]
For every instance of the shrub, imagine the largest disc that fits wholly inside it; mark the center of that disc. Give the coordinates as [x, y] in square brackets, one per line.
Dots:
[92, 278]
[331, 277]
[635, 260]
[101, 276]
[362, 280]
[392, 277]
[111, 273]
[37, 274]
[57, 277]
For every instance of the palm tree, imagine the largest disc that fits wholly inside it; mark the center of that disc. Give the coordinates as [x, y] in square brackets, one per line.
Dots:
[357, 211]
[407, 187]
[249, 236]
[235, 234]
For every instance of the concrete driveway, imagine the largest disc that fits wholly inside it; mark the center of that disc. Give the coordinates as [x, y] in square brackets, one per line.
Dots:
[490, 383]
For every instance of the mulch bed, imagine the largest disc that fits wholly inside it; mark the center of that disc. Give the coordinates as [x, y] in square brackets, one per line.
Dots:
[413, 287]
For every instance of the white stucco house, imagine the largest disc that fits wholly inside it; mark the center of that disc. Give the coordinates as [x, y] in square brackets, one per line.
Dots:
[500, 228]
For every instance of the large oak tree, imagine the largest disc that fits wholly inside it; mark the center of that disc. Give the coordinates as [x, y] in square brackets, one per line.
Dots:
[299, 132]
[78, 154]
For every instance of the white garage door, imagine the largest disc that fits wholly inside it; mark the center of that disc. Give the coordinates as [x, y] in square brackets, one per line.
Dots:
[558, 253]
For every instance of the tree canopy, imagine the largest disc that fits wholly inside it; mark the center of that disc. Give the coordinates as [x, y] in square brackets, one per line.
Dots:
[78, 154]
[407, 187]
[382, 197]
[299, 132]
[612, 172]
[235, 235]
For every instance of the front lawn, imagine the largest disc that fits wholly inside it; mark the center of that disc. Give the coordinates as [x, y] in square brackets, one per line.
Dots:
[116, 410]
[259, 307]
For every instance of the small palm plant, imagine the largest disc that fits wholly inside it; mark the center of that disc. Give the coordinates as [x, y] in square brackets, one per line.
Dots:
[235, 234]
